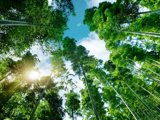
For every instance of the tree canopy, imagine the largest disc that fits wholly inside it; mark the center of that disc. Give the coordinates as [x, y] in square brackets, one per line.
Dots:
[125, 87]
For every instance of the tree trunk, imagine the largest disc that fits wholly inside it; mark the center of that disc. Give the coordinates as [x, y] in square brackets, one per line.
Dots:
[9, 93]
[135, 94]
[89, 92]
[143, 33]
[156, 80]
[14, 23]
[148, 69]
[4, 77]
[158, 99]
[146, 12]
[39, 99]
[154, 61]
[149, 118]
[152, 71]
[34, 109]
[72, 115]
[149, 62]
[124, 102]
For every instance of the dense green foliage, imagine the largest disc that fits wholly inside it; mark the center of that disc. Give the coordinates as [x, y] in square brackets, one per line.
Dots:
[133, 68]
[72, 104]
[126, 87]
[44, 23]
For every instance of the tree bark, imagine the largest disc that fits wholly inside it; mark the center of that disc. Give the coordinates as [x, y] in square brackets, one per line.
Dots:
[143, 33]
[155, 61]
[150, 111]
[124, 103]
[34, 109]
[158, 99]
[72, 115]
[14, 23]
[4, 77]
[39, 99]
[146, 12]
[89, 92]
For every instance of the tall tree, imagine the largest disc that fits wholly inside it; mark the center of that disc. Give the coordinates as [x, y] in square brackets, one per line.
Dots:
[113, 25]
[46, 23]
[79, 58]
[72, 104]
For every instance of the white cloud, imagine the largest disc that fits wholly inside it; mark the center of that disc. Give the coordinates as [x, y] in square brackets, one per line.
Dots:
[95, 46]
[92, 3]
[37, 49]
[49, 2]
[44, 65]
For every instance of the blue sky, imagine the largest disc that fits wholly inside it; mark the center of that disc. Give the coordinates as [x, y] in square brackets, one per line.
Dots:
[81, 33]
[77, 29]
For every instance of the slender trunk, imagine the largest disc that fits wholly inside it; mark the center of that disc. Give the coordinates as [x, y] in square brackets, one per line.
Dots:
[10, 24]
[34, 109]
[39, 99]
[4, 77]
[149, 62]
[157, 80]
[152, 71]
[154, 79]
[124, 102]
[154, 61]
[14, 23]
[156, 65]
[154, 90]
[153, 106]
[152, 34]
[146, 68]
[72, 115]
[149, 118]
[158, 99]
[89, 92]
[8, 95]
[135, 94]
[146, 12]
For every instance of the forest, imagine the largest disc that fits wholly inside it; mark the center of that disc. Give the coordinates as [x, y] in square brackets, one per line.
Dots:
[126, 87]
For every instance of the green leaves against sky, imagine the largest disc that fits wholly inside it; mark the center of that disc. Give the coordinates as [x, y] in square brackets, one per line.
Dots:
[126, 87]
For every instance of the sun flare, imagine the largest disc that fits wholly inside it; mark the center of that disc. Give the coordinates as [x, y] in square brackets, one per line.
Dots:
[34, 75]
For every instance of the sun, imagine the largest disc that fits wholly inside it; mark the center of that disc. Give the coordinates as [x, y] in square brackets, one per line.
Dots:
[34, 75]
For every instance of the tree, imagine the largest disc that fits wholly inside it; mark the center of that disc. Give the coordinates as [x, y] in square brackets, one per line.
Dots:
[44, 21]
[20, 67]
[112, 22]
[82, 64]
[17, 71]
[117, 93]
[153, 5]
[98, 103]
[72, 104]
[40, 102]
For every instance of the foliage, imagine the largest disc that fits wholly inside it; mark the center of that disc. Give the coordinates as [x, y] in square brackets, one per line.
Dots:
[72, 104]
[124, 87]
[45, 23]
